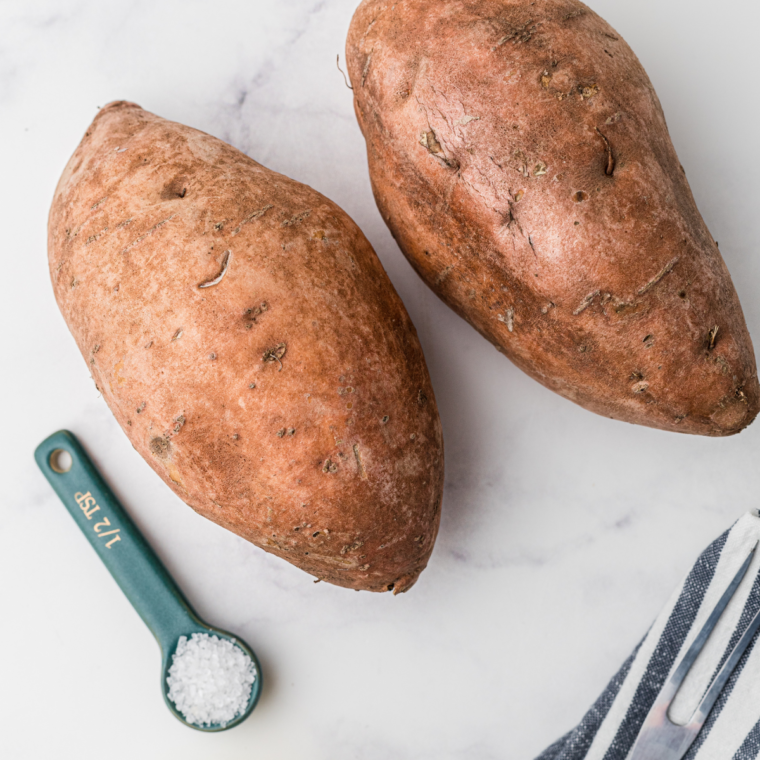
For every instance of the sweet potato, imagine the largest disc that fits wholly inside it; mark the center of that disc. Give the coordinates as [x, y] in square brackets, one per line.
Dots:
[247, 339]
[521, 159]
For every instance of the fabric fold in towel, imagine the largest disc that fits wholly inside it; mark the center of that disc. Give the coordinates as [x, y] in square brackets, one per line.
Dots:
[609, 729]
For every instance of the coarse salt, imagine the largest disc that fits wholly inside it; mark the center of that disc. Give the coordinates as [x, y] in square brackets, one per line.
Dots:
[210, 679]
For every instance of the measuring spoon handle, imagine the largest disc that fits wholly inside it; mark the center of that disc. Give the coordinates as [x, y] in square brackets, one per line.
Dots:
[111, 532]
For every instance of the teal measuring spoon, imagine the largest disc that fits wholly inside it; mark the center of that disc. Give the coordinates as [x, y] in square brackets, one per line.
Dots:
[133, 564]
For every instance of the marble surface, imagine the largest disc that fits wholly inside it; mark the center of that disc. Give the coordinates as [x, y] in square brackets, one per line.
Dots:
[562, 533]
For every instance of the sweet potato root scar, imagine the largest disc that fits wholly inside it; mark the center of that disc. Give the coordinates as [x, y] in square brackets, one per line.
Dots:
[275, 354]
[117, 373]
[153, 229]
[297, 219]
[359, 463]
[711, 337]
[518, 36]
[365, 70]
[175, 476]
[225, 266]
[665, 270]
[508, 319]
[251, 217]
[610, 168]
[586, 302]
[160, 447]
[429, 141]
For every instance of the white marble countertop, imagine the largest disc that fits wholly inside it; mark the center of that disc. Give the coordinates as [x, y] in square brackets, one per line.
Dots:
[562, 534]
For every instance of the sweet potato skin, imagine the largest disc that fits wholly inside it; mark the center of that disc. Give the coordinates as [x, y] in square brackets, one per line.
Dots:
[520, 156]
[250, 344]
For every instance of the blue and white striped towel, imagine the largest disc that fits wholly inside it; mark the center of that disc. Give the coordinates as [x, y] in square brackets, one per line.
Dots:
[732, 730]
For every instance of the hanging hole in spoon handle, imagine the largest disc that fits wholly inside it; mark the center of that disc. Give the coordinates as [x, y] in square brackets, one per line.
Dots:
[60, 461]
[133, 564]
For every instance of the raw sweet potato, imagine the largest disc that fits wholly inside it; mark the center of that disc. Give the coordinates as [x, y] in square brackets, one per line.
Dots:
[247, 339]
[521, 159]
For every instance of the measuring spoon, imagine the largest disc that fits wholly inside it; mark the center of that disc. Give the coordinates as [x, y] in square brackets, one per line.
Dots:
[131, 561]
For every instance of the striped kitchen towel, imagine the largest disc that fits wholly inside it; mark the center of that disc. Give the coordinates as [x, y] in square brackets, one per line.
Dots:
[732, 730]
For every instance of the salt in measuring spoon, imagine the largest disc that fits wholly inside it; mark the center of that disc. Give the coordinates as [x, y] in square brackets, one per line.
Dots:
[133, 564]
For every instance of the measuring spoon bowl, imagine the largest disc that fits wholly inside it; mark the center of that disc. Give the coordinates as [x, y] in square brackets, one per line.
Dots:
[167, 653]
